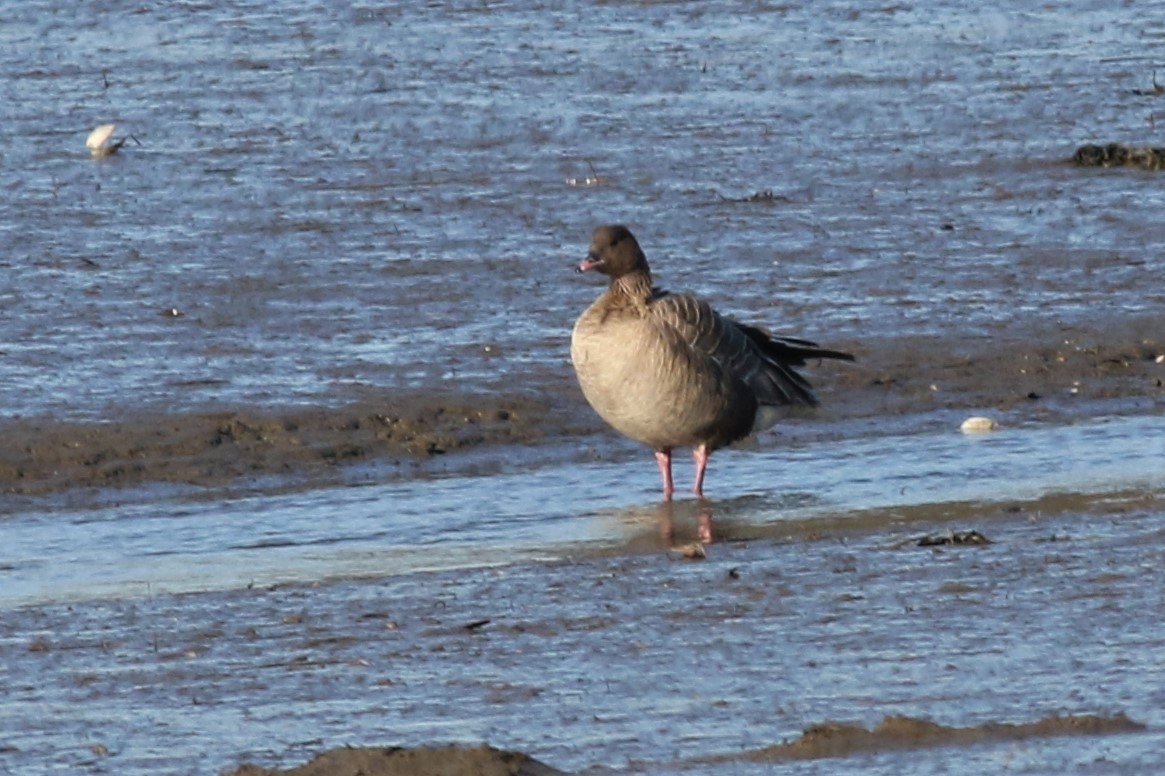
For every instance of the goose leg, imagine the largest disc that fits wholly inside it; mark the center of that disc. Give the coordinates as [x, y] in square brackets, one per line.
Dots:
[701, 454]
[663, 458]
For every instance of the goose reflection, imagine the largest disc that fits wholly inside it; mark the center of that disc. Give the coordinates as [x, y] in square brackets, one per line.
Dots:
[666, 517]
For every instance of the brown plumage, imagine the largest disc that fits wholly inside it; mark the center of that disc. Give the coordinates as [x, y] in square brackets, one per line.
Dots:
[669, 371]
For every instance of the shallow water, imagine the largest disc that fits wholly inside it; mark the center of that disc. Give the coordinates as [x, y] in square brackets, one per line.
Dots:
[556, 511]
[327, 202]
[635, 662]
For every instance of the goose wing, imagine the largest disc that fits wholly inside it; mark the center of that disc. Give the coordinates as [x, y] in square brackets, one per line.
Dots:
[761, 361]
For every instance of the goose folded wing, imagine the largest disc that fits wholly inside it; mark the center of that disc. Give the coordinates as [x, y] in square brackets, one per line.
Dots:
[764, 364]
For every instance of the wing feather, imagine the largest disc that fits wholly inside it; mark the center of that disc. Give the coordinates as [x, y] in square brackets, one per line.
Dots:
[761, 361]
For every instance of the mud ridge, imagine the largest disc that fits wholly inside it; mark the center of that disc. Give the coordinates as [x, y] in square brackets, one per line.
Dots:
[897, 733]
[414, 761]
[212, 450]
[823, 741]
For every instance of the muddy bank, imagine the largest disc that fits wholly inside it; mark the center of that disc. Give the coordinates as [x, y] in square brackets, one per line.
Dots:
[898, 733]
[1052, 374]
[416, 761]
[1048, 371]
[291, 448]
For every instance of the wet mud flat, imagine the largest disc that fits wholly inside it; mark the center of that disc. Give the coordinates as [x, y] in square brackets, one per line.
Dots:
[1050, 374]
[844, 639]
[262, 448]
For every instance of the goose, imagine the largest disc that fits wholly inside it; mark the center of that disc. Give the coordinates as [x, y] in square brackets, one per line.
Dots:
[669, 371]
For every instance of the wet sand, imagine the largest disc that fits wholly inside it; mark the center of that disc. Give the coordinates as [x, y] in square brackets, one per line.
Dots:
[1053, 374]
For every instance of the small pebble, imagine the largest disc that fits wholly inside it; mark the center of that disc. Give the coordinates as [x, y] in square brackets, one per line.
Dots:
[977, 424]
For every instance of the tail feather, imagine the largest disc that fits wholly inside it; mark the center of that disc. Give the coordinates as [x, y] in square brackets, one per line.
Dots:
[779, 383]
[790, 350]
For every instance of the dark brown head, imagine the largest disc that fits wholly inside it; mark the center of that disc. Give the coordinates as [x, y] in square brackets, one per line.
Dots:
[614, 252]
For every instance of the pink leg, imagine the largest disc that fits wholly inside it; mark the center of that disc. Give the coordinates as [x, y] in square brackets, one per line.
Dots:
[701, 455]
[663, 458]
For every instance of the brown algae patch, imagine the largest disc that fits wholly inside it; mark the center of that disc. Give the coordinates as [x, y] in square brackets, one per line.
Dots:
[898, 733]
[826, 740]
[1120, 155]
[413, 761]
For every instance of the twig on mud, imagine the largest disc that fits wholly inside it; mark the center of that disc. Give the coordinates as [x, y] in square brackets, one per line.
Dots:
[1156, 91]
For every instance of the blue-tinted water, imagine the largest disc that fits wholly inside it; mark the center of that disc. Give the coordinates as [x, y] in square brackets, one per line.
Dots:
[325, 202]
[553, 511]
